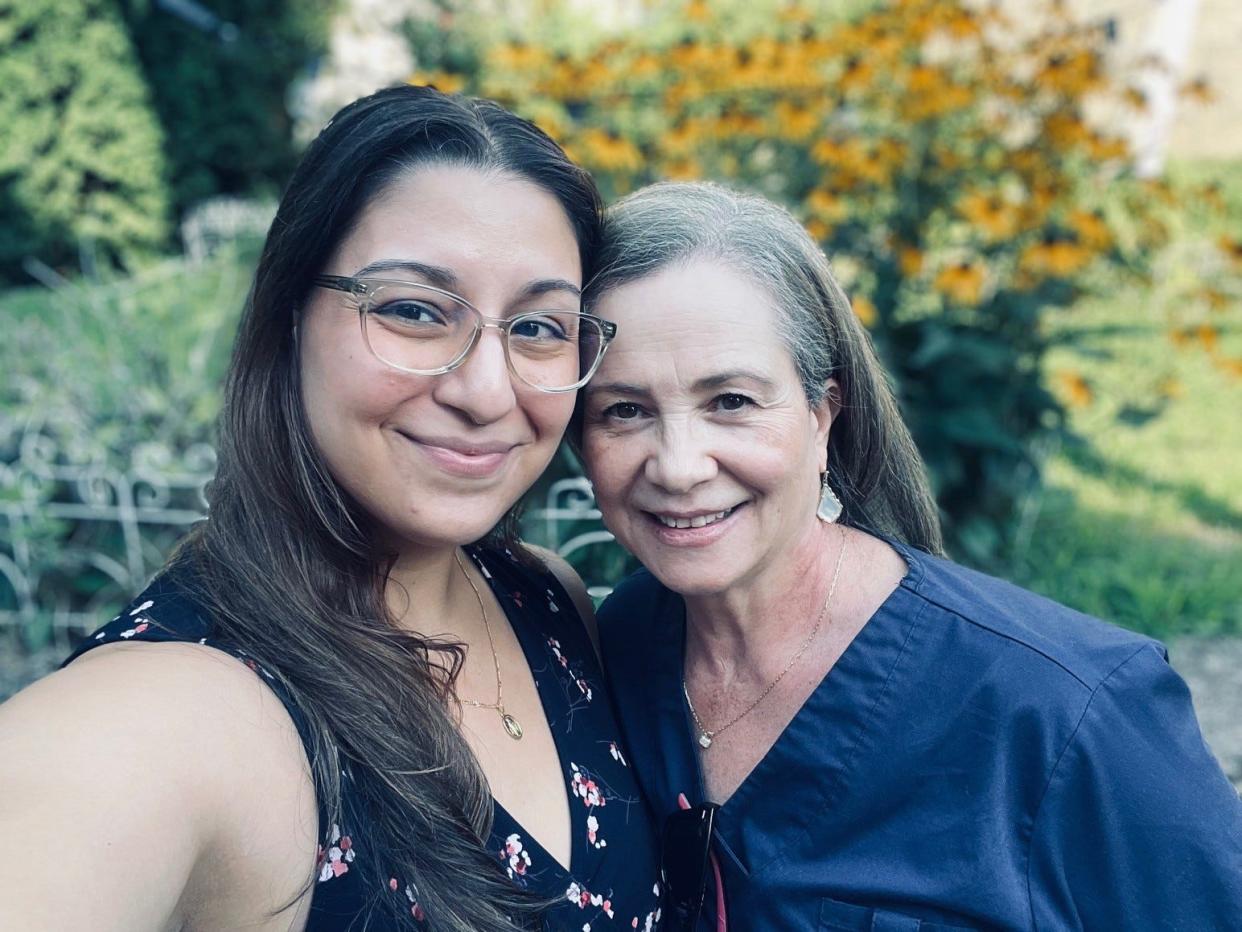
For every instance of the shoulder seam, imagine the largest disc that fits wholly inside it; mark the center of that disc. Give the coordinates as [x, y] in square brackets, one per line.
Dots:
[1016, 640]
[1056, 766]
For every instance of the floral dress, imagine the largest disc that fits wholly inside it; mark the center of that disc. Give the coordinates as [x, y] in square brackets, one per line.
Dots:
[612, 882]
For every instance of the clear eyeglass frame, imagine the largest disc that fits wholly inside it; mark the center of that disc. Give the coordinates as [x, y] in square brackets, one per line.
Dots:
[362, 289]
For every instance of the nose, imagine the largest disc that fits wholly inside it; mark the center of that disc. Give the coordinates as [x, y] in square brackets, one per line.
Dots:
[681, 460]
[481, 387]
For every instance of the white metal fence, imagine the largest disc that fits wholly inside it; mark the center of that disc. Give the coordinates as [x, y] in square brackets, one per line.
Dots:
[78, 538]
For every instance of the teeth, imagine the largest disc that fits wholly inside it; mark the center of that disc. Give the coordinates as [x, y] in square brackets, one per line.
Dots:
[697, 521]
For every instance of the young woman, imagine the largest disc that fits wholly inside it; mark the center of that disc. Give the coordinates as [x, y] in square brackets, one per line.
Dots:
[416, 734]
[842, 730]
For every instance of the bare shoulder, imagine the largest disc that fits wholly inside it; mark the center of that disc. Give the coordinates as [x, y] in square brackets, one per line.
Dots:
[568, 577]
[135, 748]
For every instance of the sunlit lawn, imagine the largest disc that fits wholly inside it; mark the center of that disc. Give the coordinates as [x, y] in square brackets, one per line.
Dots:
[1142, 523]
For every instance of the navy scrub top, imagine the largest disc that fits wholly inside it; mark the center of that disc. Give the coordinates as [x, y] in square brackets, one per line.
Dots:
[978, 758]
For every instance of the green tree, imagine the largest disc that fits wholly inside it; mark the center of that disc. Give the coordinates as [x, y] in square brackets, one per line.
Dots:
[80, 148]
[221, 92]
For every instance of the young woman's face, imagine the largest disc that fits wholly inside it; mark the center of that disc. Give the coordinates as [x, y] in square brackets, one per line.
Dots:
[697, 417]
[440, 459]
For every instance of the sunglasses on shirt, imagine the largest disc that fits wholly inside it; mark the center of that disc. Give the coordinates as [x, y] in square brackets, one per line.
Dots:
[685, 861]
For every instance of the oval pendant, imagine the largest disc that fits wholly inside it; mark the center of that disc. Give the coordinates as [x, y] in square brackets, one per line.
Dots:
[705, 740]
[511, 726]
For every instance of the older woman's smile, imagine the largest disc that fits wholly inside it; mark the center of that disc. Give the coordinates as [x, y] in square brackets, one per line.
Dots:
[699, 438]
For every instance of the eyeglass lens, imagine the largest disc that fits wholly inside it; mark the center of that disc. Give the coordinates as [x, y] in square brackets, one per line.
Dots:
[423, 330]
[684, 861]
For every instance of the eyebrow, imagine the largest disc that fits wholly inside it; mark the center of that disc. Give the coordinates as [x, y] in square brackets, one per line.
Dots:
[441, 277]
[707, 383]
[733, 375]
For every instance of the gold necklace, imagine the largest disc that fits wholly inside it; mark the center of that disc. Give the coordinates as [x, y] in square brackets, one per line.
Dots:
[705, 734]
[512, 726]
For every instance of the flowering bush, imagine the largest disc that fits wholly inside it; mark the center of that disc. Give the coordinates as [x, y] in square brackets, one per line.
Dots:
[944, 155]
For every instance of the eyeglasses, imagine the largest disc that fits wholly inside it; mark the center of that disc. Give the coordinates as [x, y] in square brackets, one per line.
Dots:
[685, 857]
[425, 330]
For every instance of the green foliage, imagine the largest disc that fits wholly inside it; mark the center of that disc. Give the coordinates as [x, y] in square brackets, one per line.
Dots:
[80, 149]
[117, 378]
[222, 100]
[939, 150]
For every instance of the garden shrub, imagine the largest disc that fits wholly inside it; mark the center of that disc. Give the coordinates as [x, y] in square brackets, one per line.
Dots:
[943, 154]
[221, 97]
[80, 150]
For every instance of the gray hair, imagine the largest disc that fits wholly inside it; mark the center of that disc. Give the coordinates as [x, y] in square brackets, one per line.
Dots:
[872, 460]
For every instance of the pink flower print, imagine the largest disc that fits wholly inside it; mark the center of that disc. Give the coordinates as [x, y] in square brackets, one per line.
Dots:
[412, 895]
[142, 626]
[586, 788]
[608, 908]
[392, 884]
[338, 857]
[556, 652]
[584, 687]
[593, 833]
[616, 753]
[516, 856]
[552, 606]
[517, 598]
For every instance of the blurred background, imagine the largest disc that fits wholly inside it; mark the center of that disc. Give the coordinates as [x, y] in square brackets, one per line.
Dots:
[1036, 209]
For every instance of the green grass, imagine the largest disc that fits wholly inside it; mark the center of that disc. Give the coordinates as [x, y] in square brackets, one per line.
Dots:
[1141, 522]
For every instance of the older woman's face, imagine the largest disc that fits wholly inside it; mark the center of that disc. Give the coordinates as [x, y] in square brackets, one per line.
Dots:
[439, 459]
[703, 449]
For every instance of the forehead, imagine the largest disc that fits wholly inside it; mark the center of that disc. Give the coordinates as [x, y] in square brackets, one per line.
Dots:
[694, 319]
[468, 219]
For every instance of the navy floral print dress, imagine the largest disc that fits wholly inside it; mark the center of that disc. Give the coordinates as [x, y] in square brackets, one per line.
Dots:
[613, 881]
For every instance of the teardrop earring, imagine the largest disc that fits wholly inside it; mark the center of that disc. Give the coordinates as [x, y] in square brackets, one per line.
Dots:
[830, 508]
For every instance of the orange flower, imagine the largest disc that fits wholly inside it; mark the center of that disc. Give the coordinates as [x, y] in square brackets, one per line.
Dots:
[998, 219]
[1136, 98]
[1230, 365]
[827, 206]
[1091, 229]
[1232, 248]
[865, 311]
[1198, 90]
[1208, 337]
[911, 261]
[1074, 388]
[961, 283]
[1060, 258]
[1216, 299]
[608, 151]
[440, 80]
[819, 230]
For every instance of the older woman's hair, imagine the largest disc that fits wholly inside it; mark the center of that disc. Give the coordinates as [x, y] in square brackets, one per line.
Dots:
[872, 461]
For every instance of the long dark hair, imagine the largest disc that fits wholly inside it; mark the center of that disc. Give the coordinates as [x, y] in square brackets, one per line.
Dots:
[872, 461]
[286, 564]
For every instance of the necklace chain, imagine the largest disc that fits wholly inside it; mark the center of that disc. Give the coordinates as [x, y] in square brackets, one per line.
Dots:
[706, 735]
[512, 727]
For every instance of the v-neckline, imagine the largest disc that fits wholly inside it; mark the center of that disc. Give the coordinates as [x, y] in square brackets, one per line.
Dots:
[869, 658]
[530, 651]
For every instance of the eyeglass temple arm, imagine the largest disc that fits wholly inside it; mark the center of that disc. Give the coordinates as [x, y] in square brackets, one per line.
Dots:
[341, 283]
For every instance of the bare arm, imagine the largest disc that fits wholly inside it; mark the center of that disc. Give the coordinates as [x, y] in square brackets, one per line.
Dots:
[139, 777]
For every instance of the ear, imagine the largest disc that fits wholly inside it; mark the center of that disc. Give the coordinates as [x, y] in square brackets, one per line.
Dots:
[825, 412]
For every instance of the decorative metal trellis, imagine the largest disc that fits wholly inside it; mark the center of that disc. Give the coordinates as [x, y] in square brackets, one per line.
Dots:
[78, 538]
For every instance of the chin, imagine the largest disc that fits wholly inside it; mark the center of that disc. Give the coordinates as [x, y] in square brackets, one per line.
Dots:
[691, 578]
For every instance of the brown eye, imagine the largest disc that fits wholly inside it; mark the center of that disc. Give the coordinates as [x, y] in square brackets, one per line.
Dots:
[732, 402]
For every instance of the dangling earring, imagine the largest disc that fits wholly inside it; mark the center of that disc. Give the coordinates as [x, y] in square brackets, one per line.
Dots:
[829, 509]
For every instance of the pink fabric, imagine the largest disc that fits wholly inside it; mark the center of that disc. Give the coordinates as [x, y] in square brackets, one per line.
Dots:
[722, 921]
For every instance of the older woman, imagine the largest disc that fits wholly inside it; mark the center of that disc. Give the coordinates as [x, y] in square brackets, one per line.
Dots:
[843, 730]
